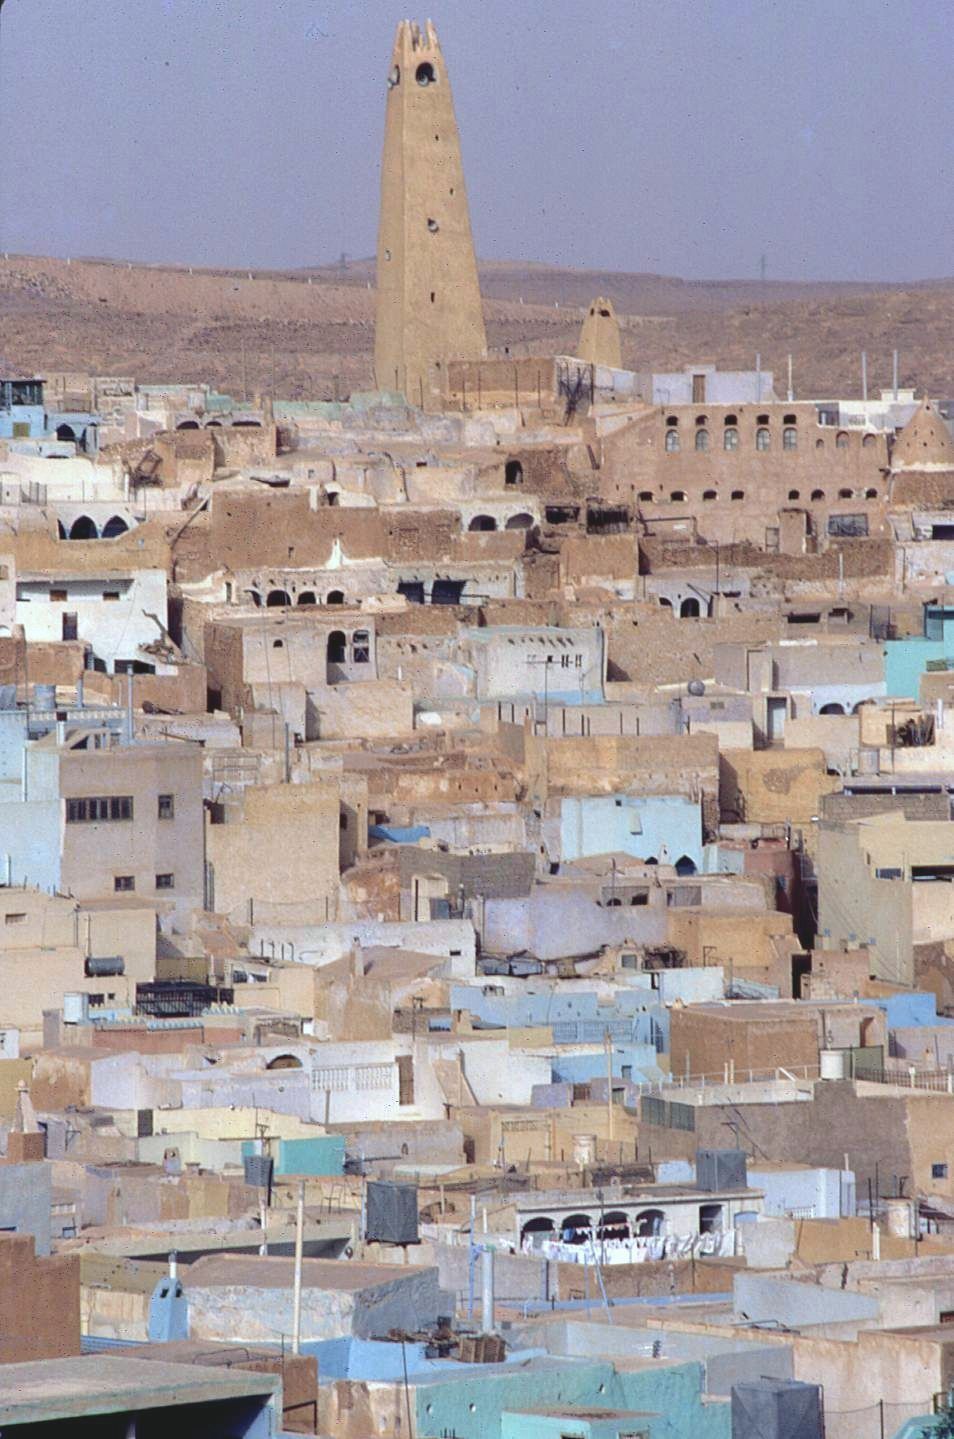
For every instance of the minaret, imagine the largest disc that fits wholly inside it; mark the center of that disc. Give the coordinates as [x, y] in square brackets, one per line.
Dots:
[428, 307]
[599, 336]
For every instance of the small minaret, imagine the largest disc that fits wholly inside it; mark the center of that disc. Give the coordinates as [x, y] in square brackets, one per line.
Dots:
[599, 336]
[428, 304]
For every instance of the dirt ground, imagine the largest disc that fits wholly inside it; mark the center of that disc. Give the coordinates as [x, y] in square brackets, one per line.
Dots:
[309, 334]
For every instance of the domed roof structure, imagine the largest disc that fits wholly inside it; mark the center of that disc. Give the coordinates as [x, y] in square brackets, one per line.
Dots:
[925, 443]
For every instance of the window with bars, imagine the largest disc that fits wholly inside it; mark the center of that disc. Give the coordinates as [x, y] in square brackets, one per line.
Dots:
[99, 809]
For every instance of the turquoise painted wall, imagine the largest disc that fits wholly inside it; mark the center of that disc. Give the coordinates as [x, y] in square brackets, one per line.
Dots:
[906, 660]
[319, 1156]
[473, 1407]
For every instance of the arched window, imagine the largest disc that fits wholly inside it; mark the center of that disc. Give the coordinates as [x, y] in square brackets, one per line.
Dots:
[689, 609]
[83, 528]
[702, 421]
[672, 441]
[337, 651]
[513, 472]
[187, 425]
[519, 522]
[737, 495]
[731, 420]
[793, 494]
[730, 438]
[871, 494]
[709, 495]
[482, 522]
[789, 438]
[868, 442]
[685, 865]
[65, 432]
[841, 440]
[832, 709]
[844, 494]
[678, 497]
[702, 439]
[818, 494]
[277, 599]
[425, 74]
[114, 526]
[645, 497]
[819, 444]
[307, 597]
[763, 438]
[334, 597]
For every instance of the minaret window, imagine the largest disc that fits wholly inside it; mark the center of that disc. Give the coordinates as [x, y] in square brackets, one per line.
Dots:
[425, 74]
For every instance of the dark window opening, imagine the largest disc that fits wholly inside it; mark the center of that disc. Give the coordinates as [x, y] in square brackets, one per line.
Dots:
[425, 74]
[513, 472]
[412, 590]
[447, 592]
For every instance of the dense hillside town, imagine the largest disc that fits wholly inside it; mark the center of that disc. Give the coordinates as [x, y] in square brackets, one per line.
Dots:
[476, 883]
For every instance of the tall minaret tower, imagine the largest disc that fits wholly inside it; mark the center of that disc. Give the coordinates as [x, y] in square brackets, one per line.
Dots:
[428, 308]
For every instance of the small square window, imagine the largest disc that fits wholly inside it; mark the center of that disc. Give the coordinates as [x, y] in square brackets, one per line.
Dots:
[165, 881]
[938, 1171]
[18, 918]
[167, 806]
[123, 883]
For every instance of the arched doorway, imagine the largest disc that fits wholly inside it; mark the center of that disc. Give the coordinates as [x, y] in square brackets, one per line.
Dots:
[336, 654]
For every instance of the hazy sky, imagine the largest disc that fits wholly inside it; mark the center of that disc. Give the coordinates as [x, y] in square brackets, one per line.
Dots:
[684, 136]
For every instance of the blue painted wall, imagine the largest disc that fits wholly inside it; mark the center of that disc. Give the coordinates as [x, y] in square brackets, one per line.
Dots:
[643, 826]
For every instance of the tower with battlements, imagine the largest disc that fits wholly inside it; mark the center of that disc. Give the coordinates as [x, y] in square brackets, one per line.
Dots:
[428, 304]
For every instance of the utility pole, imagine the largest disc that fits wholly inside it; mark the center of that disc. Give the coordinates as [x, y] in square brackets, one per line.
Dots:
[610, 1125]
[299, 1248]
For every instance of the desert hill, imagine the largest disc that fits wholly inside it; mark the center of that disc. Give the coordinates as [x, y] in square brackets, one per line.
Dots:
[309, 333]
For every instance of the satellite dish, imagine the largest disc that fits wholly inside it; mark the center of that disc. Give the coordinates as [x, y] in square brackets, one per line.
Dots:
[697, 688]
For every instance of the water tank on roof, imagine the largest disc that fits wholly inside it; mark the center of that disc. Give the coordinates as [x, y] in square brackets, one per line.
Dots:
[718, 1169]
[777, 1409]
[833, 1063]
[97, 968]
